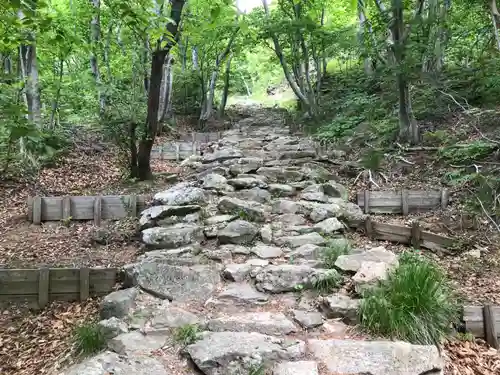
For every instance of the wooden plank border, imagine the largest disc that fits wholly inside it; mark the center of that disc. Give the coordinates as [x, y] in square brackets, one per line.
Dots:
[413, 235]
[401, 202]
[44, 285]
[483, 322]
[96, 208]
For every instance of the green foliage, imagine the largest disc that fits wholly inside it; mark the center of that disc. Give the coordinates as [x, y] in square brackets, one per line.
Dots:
[186, 334]
[414, 304]
[89, 339]
[470, 152]
[332, 251]
[327, 282]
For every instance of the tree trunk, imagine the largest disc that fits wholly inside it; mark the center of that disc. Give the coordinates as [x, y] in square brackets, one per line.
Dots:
[55, 103]
[225, 93]
[29, 70]
[408, 127]
[143, 169]
[194, 57]
[95, 31]
[167, 89]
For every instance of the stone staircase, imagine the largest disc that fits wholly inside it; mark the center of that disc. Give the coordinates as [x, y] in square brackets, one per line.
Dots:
[234, 263]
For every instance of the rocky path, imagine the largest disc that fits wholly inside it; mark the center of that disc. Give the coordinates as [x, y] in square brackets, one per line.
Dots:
[234, 279]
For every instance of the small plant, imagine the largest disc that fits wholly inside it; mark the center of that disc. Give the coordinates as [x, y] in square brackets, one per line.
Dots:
[415, 304]
[257, 370]
[327, 282]
[467, 336]
[299, 287]
[67, 221]
[334, 249]
[243, 215]
[89, 339]
[187, 334]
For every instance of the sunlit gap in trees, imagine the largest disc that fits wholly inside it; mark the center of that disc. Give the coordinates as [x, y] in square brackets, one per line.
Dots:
[245, 6]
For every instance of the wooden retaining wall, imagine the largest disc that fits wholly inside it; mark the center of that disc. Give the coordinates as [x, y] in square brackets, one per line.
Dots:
[404, 201]
[413, 235]
[84, 208]
[188, 144]
[44, 285]
[483, 322]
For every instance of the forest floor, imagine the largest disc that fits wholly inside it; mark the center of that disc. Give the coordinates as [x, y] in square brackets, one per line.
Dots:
[31, 340]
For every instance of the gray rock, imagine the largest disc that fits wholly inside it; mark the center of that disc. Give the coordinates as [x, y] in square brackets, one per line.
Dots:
[375, 357]
[180, 195]
[247, 183]
[285, 206]
[221, 155]
[216, 182]
[168, 316]
[285, 277]
[266, 233]
[297, 154]
[314, 193]
[328, 226]
[218, 255]
[281, 174]
[181, 256]
[172, 237]
[297, 241]
[236, 249]
[238, 232]
[340, 306]
[152, 214]
[267, 252]
[291, 220]
[296, 368]
[179, 283]
[307, 251]
[219, 219]
[335, 190]
[112, 327]
[237, 271]
[370, 274]
[229, 353]
[317, 172]
[255, 194]
[281, 190]
[245, 165]
[252, 210]
[112, 363]
[137, 342]
[308, 319]
[267, 323]
[352, 262]
[118, 304]
[242, 294]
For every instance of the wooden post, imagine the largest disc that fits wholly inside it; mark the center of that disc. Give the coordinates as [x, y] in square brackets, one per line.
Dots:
[404, 202]
[416, 234]
[36, 210]
[366, 208]
[132, 205]
[177, 151]
[97, 210]
[369, 227]
[84, 284]
[161, 152]
[66, 208]
[445, 196]
[490, 331]
[43, 287]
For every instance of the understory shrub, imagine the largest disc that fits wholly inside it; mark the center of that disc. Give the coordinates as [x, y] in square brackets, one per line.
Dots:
[415, 304]
[89, 339]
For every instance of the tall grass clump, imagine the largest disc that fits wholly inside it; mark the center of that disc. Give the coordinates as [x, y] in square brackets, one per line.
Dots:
[415, 304]
[333, 250]
[89, 339]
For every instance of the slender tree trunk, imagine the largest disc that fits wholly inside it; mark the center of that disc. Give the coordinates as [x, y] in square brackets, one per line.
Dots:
[408, 127]
[55, 102]
[143, 170]
[225, 92]
[95, 31]
[166, 94]
[495, 17]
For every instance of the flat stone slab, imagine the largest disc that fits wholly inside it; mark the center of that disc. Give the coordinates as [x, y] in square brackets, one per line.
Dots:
[179, 283]
[375, 357]
[267, 323]
[229, 353]
[112, 363]
[137, 342]
[241, 294]
[296, 368]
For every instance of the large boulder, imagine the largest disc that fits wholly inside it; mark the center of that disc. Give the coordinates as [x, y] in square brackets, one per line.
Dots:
[172, 237]
[180, 195]
[238, 232]
[247, 209]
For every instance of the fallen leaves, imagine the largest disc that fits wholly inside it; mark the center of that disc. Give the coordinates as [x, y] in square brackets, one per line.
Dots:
[471, 358]
[40, 342]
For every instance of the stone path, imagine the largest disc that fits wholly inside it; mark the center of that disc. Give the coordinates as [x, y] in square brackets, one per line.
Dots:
[233, 267]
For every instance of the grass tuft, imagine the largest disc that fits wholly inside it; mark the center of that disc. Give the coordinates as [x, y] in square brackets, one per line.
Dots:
[415, 304]
[333, 250]
[186, 335]
[89, 339]
[327, 282]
